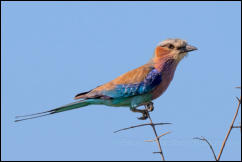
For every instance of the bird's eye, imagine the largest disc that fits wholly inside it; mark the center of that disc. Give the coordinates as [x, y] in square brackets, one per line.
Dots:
[171, 46]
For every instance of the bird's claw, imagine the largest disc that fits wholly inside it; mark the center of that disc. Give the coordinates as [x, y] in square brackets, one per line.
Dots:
[149, 107]
[145, 116]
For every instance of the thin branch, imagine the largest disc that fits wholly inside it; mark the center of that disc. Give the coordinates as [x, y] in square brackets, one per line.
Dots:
[158, 137]
[230, 128]
[211, 147]
[141, 125]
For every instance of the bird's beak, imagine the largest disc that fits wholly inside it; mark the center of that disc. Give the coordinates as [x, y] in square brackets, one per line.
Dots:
[190, 48]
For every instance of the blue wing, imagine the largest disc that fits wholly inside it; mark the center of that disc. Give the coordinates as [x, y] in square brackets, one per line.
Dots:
[152, 80]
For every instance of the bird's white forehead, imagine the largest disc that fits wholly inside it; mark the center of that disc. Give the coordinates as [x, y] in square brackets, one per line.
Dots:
[175, 42]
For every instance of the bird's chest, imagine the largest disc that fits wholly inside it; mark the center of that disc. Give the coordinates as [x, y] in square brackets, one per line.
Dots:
[167, 73]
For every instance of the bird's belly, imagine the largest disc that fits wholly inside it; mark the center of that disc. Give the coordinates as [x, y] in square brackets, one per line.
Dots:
[133, 101]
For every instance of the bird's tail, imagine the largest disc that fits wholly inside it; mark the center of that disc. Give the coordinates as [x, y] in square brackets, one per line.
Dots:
[67, 107]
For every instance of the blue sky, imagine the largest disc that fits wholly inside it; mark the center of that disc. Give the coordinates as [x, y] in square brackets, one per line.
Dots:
[53, 50]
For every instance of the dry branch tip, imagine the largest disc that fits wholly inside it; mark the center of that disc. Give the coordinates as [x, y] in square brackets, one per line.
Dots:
[211, 147]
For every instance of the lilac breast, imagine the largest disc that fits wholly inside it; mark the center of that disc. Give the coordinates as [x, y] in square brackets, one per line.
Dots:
[167, 70]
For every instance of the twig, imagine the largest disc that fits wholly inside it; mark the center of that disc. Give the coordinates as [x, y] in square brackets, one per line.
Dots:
[239, 126]
[141, 125]
[158, 137]
[211, 147]
[230, 128]
[156, 152]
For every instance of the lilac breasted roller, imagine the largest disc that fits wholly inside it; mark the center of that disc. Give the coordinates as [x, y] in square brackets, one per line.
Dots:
[135, 88]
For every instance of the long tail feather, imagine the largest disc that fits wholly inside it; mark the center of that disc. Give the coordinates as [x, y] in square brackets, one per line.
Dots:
[31, 117]
[67, 107]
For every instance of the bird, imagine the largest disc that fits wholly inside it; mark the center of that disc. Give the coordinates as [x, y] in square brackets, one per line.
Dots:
[138, 87]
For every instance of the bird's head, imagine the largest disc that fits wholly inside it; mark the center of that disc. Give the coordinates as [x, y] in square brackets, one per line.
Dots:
[173, 48]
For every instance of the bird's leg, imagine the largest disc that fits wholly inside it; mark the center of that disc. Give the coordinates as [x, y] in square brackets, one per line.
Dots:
[144, 113]
[149, 106]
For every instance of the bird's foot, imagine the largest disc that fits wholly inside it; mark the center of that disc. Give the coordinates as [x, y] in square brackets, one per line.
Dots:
[149, 107]
[145, 115]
